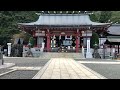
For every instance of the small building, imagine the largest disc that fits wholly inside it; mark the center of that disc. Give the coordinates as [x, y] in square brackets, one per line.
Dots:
[113, 37]
[69, 30]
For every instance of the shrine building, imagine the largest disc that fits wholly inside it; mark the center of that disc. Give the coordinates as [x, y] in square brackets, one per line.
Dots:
[69, 30]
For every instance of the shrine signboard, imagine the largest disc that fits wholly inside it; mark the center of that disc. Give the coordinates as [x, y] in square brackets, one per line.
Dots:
[40, 33]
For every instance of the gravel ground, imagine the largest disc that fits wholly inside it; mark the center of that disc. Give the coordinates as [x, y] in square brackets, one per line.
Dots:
[110, 71]
[29, 74]
[28, 62]
[4, 70]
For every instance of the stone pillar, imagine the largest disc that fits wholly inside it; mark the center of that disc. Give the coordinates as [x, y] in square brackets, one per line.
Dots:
[88, 53]
[9, 49]
[59, 37]
[83, 51]
[43, 46]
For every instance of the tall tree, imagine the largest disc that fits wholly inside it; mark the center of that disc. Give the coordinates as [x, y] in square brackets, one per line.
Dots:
[94, 39]
[93, 17]
[105, 16]
[9, 20]
[95, 44]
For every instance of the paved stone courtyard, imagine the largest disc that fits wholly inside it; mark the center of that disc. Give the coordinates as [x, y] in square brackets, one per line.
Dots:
[66, 68]
[22, 68]
[60, 68]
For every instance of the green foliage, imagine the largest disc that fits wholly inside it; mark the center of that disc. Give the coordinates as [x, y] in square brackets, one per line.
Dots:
[23, 35]
[31, 41]
[94, 40]
[93, 18]
[105, 16]
[9, 20]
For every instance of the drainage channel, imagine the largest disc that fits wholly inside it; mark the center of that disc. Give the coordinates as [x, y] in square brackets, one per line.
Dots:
[18, 74]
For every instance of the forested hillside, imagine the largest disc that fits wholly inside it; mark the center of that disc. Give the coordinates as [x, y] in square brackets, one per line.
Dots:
[9, 20]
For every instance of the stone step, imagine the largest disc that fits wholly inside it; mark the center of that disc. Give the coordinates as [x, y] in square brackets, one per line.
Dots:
[61, 55]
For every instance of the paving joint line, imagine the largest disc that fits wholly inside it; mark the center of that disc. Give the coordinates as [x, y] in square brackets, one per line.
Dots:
[93, 72]
[41, 71]
[8, 72]
[73, 69]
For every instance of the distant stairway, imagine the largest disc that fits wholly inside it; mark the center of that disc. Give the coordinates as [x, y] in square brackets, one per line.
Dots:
[49, 55]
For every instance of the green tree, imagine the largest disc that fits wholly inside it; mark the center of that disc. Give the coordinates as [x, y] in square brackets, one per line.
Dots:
[95, 45]
[94, 39]
[93, 17]
[31, 41]
[9, 20]
[105, 16]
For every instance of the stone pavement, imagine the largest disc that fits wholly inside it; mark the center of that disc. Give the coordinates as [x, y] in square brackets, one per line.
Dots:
[49, 55]
[66, 68]
[26, 68]
[6, 65]
[97, 62]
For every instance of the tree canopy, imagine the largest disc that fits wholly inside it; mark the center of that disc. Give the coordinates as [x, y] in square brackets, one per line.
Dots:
[94, 40]
[9, 20]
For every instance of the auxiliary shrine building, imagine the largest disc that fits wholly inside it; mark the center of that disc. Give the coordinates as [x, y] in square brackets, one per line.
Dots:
[69, 30]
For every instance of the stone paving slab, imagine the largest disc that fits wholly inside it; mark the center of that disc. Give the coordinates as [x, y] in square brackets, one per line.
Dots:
[97, 62]
[6, 65]
[49, 55]
[26, 68]
[66, 68]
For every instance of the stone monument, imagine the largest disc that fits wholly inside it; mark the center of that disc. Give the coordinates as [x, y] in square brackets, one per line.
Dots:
[43, 46]
[83, 51]
[88, 53]
[9, 49]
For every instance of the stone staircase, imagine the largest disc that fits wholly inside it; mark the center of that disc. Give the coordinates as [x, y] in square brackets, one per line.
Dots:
[49, 55]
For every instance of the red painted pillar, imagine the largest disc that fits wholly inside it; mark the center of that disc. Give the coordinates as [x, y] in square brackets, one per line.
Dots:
[77, 44]
[48, 42]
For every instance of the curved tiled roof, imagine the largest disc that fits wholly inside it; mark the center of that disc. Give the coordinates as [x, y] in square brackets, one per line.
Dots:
[64, 19]
[114, 29]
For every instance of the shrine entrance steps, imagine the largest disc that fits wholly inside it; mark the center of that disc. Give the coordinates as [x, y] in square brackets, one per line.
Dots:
[49, 55]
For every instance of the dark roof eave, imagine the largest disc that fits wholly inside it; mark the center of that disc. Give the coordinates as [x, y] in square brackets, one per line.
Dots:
[64, 25]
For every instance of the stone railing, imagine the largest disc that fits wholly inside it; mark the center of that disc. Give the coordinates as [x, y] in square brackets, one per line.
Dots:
[107, 53]
[35, 51]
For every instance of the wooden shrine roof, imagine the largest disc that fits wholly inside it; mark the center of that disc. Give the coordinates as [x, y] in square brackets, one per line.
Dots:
[64, 20]
[114, 29]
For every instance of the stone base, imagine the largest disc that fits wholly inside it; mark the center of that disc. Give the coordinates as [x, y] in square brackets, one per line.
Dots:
[97, 55]
[89, 55]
